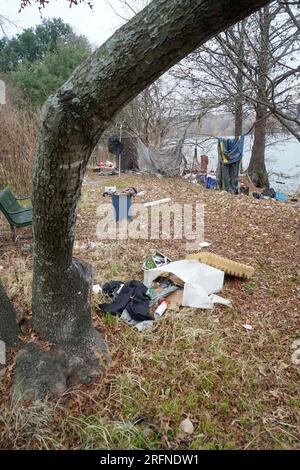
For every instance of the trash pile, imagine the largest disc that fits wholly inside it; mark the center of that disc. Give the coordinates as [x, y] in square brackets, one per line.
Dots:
[208, 180]
[169, 285]
[270, 193]
[112, 191]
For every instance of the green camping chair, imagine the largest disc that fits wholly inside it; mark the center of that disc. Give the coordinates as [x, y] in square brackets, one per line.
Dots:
[16, 215]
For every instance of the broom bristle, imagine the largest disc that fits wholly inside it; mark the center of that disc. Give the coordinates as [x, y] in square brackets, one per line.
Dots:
[224, 264]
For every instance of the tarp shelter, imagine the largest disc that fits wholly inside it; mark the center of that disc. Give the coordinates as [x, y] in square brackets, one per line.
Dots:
[136, 156]
[170, 157]
[230, 152]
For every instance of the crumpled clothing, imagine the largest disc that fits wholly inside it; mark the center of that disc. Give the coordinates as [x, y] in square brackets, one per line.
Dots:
[132, 297]
[112, 287]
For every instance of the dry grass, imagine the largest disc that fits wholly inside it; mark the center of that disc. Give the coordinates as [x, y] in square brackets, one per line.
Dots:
[17, 144]
[239, 388]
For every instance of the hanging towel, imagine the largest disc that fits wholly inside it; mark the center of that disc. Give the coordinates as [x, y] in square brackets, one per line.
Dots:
[231, 150]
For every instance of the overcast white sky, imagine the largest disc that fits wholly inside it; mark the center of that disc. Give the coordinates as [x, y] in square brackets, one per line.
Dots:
[97, 24]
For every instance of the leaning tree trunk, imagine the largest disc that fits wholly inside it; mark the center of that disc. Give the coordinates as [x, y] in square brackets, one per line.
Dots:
[72, 122]
[257, 166]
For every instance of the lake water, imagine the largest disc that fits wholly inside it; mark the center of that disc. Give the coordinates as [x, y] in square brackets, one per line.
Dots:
[282, 159]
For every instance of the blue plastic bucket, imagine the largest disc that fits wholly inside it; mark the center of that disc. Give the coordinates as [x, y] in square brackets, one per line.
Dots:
[122, 207]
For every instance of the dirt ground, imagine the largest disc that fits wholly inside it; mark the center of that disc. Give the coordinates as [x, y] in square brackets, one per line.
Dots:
[240, 388]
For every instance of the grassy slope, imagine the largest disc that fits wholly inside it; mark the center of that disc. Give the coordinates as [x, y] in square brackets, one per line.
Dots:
[239, 388]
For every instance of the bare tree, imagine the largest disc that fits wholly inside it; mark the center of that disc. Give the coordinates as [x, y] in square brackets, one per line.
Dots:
[250, 65]
[43, 3]
[6, 24]
[271, 45]
[289, 8]
[212, 81]
[152, 113]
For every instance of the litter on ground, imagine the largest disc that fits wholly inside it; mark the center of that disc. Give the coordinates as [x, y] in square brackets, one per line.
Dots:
[167, 286]
[157, 203]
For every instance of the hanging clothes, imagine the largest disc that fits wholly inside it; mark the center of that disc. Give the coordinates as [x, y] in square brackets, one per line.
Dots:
[230, 153]
[231, 150]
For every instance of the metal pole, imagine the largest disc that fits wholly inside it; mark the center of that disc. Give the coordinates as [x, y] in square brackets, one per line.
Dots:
[119, 153]
[195, 157]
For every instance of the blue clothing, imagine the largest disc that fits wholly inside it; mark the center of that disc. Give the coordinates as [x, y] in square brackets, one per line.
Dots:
[231, 150]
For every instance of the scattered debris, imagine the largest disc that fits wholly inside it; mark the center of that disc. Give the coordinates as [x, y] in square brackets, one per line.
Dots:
[110, 189]
[162, 308]
[216, 299]
[157, 203]
[133, 297]
[155, 259]
[175, 299]
[200, 280]
[204, 245]
[187, 426]
[181, 283]
[280, 197]
[163, 291]
[139, 325]
[144, 326]
[97, 289]
[269, 192]
[169, 285]
[91, 245]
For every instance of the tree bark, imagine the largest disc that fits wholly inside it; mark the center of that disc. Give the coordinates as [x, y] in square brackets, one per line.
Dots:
[238, 117]
[257, 167]
[72, 122]
[9, 329]
[239, 110]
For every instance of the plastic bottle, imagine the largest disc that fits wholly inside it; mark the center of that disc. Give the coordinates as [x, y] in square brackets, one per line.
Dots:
[161, 309]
